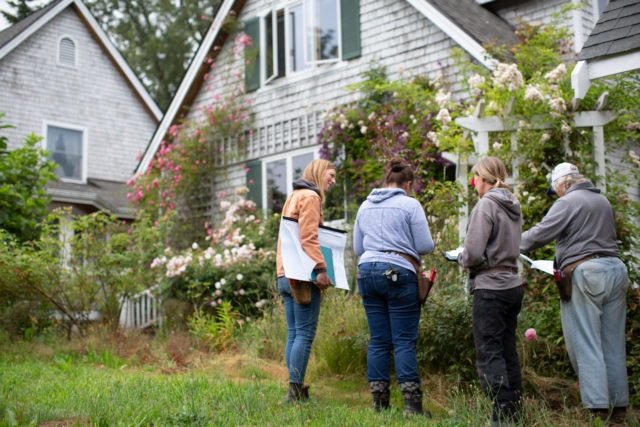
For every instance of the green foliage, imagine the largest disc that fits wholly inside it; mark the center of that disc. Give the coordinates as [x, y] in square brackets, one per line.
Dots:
[445, 338]
[392, 119]
[182, 172]
[157, 38]
[237, 264]
[23, 180]
[415, 118]
[77, 266]
[22, 9]
[217, 330]
[342, 337]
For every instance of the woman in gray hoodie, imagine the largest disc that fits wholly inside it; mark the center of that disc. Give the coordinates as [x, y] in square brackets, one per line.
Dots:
[390, 226]
[491, 250]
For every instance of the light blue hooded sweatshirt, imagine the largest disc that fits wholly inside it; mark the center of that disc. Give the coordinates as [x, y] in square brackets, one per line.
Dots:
[389, 220]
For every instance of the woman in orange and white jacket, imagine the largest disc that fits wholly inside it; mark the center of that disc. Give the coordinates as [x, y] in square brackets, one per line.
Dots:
[305, 205]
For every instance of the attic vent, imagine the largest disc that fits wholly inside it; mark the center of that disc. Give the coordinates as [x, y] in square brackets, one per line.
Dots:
[67, 52]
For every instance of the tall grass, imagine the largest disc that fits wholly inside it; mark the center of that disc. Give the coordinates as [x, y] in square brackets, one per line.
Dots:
[170, 379]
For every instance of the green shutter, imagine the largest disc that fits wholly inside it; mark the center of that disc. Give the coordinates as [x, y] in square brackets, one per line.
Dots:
[350, 20]
[254, 182]
[252, 55]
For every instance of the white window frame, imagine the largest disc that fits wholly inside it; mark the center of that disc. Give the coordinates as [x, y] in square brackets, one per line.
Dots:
[85, 146]
[311, 65]
[305, 13]
[288, 155]
[75, 52]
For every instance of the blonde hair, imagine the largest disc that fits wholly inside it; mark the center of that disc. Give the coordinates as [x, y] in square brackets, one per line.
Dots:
[314, 172]
[492, 170]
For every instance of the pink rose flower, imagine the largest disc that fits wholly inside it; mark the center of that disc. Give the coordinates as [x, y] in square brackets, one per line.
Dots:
[531, 335]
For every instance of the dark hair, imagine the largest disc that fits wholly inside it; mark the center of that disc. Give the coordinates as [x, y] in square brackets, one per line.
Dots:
[398, 172]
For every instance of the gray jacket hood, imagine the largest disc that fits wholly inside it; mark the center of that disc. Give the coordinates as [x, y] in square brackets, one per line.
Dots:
[300, 183]
[506, 201]
[378, 195]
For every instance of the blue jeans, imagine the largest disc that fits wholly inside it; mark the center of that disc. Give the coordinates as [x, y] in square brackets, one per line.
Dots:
[301, 329]
[495, 318]
[593, 327]
[393, 313]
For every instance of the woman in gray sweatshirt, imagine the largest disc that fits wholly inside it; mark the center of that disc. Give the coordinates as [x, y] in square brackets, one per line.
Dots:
[390, 223]
[491, 250]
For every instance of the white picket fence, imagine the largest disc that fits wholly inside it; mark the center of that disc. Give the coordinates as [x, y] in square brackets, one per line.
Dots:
[141, 310]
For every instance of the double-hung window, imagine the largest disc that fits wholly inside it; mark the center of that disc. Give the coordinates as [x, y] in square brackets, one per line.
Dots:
[67, 147]
[270, 182]
[299, 35]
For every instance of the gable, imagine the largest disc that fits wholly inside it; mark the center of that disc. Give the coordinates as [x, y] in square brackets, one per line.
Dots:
[191, 94]
[88, 105]
[21, 31]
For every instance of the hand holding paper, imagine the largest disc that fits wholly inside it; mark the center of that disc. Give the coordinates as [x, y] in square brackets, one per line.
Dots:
[452, 255]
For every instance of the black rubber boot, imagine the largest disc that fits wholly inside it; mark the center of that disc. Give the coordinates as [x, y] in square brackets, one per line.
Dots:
[380, 393]
[413, 399]
[619, 414]
[297, 392]
[504, 414]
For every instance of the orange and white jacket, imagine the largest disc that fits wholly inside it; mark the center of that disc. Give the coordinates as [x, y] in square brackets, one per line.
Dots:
[304, 205]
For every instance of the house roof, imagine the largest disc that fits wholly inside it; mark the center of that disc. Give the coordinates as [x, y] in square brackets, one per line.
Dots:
[13, 36]
[98, 193]
[613, 46]
[617, 31]
[485, 27]
[465, 21]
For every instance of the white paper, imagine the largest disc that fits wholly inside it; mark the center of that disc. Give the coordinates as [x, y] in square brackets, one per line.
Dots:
[298, 265]
[453, 254]
[542, 265]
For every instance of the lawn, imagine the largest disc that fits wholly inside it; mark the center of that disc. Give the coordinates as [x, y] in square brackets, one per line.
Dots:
[167, 380]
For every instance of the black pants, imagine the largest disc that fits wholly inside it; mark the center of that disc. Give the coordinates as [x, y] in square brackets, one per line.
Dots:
[495, 317]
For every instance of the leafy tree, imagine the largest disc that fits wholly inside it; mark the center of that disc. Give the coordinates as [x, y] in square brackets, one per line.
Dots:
[23, 178]
[22, 9]
[156, 37]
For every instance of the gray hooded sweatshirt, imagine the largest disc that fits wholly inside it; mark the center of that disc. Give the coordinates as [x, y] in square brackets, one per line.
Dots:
[493, 240]
[389, 220]
[582, 223]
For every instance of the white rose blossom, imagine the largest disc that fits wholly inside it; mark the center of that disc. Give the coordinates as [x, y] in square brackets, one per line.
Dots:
[556, 74]
[443, 116]
[533, 94]
[508, 76]
[443, 98]
[475, 81]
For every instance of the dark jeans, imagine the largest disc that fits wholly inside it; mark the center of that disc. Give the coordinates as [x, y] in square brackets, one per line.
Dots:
[495, 317]
[393, 314]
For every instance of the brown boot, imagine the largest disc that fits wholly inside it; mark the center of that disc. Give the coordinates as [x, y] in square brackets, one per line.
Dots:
[297, 392]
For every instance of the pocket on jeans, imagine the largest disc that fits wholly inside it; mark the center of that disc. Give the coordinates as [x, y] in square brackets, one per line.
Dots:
[594, 279]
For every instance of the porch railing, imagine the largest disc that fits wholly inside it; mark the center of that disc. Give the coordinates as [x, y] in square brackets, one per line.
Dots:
[142, 310]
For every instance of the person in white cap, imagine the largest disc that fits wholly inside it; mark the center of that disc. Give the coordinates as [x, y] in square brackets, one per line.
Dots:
[582, 223]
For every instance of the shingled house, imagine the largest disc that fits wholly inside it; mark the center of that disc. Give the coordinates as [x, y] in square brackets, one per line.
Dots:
[298, 75]
[62, 79]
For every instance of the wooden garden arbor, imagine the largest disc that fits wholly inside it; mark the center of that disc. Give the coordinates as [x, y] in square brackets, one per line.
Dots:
[481, 127]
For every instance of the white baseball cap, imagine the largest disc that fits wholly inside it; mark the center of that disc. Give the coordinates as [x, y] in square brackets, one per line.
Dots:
[563, 169]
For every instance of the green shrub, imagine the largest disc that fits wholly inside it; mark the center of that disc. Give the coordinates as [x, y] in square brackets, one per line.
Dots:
[63, 277]
[23, 180]
[445, 336]
[342, 335]
[217, 330]
[237, 266]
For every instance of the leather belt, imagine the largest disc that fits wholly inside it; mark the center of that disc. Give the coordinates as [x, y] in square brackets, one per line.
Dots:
[494, 269]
